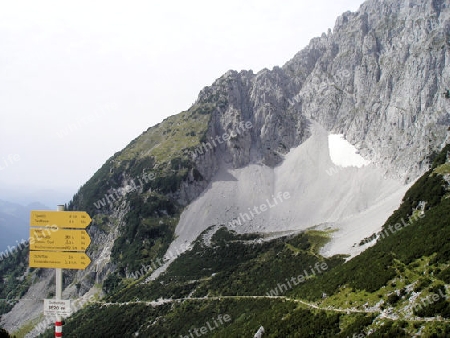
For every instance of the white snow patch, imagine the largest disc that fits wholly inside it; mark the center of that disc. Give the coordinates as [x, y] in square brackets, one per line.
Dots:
[343, 153]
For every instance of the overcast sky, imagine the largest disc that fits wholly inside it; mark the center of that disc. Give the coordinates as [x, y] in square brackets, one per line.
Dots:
[80, 79]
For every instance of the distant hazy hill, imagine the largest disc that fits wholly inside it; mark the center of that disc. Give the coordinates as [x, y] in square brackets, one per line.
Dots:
[15, 222]
[26, 195]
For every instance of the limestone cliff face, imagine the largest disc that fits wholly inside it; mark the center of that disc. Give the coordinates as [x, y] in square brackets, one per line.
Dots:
[256, 112]
[378, 78]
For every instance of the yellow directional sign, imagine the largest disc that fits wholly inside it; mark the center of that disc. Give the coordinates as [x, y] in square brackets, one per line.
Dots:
[62, 260]
[59, 240]
[62, 219]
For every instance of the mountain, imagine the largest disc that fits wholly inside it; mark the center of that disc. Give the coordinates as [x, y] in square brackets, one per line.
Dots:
[25, 195]
[15, 223]
[288, 172]
[396, 288]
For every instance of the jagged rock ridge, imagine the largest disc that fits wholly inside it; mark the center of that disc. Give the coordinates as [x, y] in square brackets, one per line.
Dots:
[378, 78]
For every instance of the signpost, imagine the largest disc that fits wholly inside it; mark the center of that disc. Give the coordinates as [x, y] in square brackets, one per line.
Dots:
[60, 240]
[61, 248]
[66, 219]
[61, 260]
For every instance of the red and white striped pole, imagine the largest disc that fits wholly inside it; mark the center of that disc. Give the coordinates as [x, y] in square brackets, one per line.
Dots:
[58, 329]
[58, 294]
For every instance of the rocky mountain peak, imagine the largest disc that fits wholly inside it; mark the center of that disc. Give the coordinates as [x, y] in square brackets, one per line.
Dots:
[378, 78]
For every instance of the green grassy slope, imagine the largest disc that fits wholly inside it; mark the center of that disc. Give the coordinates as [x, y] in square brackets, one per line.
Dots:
[157, 162]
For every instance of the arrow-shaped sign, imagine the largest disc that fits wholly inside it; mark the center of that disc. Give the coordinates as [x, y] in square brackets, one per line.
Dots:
[60, 240]
[62, 260]
[62, 219]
